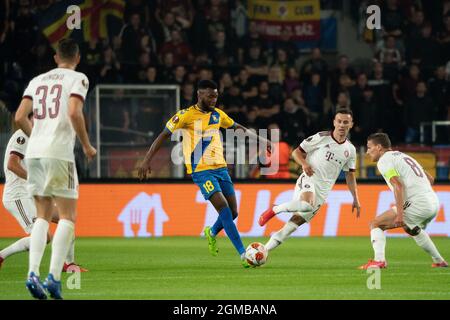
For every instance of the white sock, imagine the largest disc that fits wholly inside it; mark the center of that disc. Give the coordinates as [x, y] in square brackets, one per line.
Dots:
[278, 237]
[18, 246]
[60, 246]
[71, 254]
[423, 240]
[378, 240]
[293, 206]
[38, 241]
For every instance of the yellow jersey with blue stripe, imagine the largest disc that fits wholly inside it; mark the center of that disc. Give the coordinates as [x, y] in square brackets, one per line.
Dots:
[202, 144]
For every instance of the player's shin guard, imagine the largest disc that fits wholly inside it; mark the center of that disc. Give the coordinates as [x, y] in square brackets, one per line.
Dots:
[61, 242]
[230, 228]
[293, 206]
[38, 241]
[18, 246]
[423, 240]
[281, 235]
[378, 240]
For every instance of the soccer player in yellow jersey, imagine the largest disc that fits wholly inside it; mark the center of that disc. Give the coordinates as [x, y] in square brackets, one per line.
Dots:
[203, 154]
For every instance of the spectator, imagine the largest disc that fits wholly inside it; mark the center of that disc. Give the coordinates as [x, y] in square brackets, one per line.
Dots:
[392, 19]
[294, 122]
[291, 81]
[256, 64]
[267, 109]
[279, 155]
[110, 68]
[316, 64]
[275, 84]
[314, 96]
[187, 95]
[131, 40]
[234, 104]
[367, 117]
[425, 51]
[418, 109]
[180, 50]
[439, 88]
[152, 76]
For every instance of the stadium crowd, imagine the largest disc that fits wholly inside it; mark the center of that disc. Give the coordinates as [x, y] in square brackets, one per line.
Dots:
[261, 83]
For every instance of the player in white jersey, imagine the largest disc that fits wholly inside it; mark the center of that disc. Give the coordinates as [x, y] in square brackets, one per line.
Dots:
[322, 156]
[416, 202]
[20, 204]
[56, 99]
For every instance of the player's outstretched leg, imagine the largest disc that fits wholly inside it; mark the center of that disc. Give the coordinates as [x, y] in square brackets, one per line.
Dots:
[424, 241]
[212, 242]
[20, 245]
[291, 206]
[281, 235]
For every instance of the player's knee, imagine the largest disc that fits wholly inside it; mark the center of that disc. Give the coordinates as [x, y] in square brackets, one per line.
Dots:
[412, 232]
[298, 220]
[234, 213]
[375, 224]
[306, 206]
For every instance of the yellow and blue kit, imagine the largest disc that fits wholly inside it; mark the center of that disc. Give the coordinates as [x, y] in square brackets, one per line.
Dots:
[203, 149]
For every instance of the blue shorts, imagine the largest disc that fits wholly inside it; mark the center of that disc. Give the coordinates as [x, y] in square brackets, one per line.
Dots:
[212, 181]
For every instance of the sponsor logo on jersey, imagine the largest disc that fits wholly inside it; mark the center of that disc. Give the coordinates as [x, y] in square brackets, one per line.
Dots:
[346, 153]
[175, 119]
[84, 83]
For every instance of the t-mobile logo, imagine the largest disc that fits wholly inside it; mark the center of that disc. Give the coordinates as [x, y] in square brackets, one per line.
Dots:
[329, 155]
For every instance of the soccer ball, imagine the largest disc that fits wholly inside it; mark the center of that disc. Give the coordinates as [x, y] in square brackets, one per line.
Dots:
[256, 254]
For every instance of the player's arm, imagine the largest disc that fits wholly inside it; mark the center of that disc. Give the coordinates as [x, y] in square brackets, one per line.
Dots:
[21, 117]
[253, 135]
[350, 178]
[15, 166]
[299, 156]
[145, 168]
[78, 124]
[399, 194]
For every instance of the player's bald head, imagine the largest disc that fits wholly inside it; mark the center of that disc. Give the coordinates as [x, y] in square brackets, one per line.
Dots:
[68, 50]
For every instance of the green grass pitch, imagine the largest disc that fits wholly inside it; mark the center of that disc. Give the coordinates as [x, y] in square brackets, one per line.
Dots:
[181, 268]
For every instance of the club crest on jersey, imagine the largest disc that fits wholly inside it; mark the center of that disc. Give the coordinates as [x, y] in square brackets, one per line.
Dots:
[20, 140]
[214, 118]
[346, 153]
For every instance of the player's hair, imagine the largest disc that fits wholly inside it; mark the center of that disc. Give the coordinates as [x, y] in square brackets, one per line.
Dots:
[380, 138]
[206, 84]
[67, 49]
[343, 111]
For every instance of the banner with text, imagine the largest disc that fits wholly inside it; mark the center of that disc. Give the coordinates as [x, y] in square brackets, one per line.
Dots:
[273, 17]
[154, 210]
